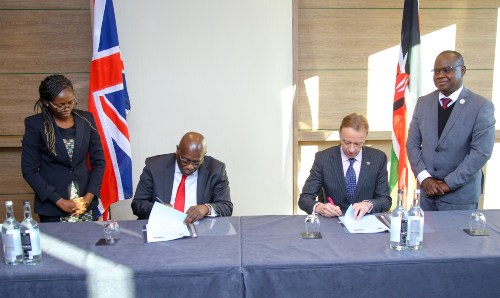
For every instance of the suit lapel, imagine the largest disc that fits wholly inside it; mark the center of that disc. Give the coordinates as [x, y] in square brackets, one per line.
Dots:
[338, 170]
[455, 113]
[168, 173]
[432, 120]
[201, 183]
[79, 125]
[363, 171]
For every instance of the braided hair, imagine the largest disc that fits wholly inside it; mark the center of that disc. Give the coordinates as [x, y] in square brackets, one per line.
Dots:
[49, 89]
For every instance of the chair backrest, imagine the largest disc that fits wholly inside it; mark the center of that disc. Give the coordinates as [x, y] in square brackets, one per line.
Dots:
[121, 210]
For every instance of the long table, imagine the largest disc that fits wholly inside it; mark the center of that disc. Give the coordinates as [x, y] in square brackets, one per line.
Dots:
[265, 256]
[277, 262]
[73, 266]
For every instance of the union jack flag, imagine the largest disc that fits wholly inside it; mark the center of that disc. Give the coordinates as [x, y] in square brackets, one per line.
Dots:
[109, 103]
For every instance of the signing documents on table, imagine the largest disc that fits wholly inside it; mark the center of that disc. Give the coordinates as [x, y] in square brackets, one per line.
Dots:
[367, 224]
[166, 223]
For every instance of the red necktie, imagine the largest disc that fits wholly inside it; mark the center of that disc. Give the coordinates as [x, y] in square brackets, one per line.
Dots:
[180, 197]
[446, 101]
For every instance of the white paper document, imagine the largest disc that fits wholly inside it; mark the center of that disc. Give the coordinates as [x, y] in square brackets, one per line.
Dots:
[367, 224]
[165, 223]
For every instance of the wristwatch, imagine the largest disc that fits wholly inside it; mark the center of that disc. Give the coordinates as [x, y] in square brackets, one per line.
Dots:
[371, 205]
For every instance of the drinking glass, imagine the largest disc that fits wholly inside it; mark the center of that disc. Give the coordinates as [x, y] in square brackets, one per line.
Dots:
[111, 231]
[312, 225]
[477, 223]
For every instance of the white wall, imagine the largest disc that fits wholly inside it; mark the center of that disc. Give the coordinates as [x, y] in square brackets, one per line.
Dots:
[220, 67]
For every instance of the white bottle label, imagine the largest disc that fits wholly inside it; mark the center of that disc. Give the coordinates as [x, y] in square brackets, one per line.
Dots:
[416, 227]
[395, 229]
[35, 241]
[12, 244]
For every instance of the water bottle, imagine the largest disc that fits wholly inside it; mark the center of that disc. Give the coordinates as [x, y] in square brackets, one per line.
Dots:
[416, 223]
[11, 237]
[399, 224]
[30, 238]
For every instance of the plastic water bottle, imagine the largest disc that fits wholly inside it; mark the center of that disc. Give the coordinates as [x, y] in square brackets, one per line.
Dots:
[11, 237]
[30, 238]
[399, 225]
[416, 223]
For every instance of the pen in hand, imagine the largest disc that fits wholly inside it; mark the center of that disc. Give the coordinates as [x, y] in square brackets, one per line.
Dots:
[337, 212]
[193, 231]
[159, 200]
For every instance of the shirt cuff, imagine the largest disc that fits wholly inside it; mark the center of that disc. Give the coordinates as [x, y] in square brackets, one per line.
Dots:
[423, 175]
[211, 212]
[314, 208]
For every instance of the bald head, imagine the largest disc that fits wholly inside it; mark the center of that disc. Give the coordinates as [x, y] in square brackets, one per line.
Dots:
[191, 152]
[193, 142]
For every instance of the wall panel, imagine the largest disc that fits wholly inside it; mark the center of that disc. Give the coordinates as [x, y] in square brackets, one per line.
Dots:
[37, 38]
[18, 100]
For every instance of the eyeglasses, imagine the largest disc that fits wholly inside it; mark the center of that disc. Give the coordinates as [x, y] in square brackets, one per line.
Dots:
[63, 106]
[185, 161]
[445, 70]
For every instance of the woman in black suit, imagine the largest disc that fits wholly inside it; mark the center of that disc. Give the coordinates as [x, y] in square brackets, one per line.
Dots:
[62, 158]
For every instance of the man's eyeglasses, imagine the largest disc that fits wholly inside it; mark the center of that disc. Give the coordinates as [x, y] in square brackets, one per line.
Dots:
[445, 70]
[64, 106]
[185, 161]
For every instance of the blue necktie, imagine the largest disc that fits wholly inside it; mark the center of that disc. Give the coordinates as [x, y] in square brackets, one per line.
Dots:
[350, 180]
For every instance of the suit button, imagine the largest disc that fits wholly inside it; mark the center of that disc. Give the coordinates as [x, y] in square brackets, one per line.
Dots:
[435, 169]
[71, 170]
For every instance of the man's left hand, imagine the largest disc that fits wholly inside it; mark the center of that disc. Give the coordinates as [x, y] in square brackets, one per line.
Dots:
[360, 209]
[444, 186]
[195, 213]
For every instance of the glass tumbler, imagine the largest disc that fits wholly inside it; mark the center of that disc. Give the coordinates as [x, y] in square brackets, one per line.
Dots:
[111, 231]
[312, 225]
[477, 223]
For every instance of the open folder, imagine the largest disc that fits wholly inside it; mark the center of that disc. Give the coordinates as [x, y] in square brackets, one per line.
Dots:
[165, 223]
[367, 224]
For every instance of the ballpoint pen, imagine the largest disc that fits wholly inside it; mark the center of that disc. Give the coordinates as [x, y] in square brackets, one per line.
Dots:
[159, 200]
[193, 231]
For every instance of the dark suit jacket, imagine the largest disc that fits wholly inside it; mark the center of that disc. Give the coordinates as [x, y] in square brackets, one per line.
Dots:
[157, 179]
[464, 147]
[50, 176]
[327, 173]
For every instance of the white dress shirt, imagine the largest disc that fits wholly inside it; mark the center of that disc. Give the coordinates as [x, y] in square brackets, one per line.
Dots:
[356, 165]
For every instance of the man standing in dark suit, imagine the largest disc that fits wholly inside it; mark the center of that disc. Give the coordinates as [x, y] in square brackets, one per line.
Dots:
[348, 174]
[187, 180]
[450, 139]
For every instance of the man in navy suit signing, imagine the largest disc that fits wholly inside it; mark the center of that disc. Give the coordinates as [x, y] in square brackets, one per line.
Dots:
[450, 139]
[187, 180]
[348, 174]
